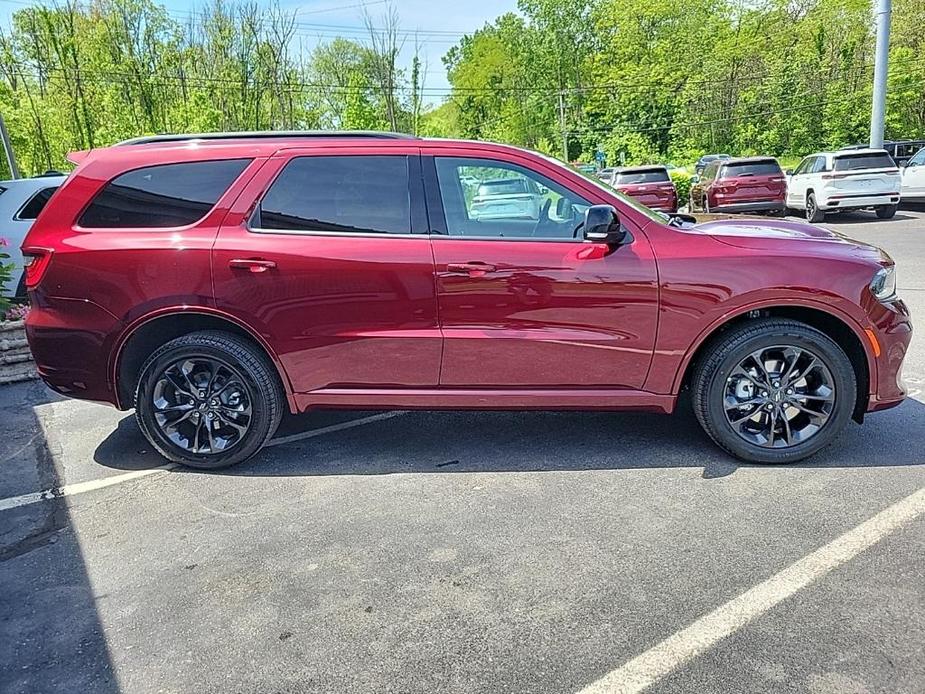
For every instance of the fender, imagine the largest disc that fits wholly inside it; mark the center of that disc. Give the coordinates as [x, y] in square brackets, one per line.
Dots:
[738, 311]
[165, 311]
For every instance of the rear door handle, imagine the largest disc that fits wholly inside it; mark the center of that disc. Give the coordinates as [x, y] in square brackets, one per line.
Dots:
[252, 264]
[473, 269]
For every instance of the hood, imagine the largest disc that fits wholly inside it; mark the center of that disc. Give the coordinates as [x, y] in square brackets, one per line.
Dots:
[778, 234]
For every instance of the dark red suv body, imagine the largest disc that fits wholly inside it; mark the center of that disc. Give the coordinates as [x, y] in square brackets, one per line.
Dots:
[752, 184]
[650, 185]
[216, 281]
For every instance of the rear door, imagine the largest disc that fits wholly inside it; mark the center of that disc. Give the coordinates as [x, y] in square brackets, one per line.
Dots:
[326, 255]
[863, 174]
[753, 181]
[525, 303]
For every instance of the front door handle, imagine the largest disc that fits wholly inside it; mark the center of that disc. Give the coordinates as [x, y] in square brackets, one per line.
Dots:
[473, 269]
[252, 264]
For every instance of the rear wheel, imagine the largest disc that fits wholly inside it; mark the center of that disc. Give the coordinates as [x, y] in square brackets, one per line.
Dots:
[813, 213]
[208, 400]
[886, 211]
[773, 391]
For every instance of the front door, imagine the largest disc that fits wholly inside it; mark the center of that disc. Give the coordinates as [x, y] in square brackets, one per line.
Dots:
[797, 183]
[332, 269]
[913, 176]
[524, 302]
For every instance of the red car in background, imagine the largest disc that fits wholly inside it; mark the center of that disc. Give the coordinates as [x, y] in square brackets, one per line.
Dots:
[751, 184]
[650, 185]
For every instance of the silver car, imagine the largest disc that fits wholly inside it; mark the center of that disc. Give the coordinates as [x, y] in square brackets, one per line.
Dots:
[21, 200]
[507, 198]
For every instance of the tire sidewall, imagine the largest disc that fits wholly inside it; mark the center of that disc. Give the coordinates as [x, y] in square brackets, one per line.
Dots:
[839, 367]
[260, 418]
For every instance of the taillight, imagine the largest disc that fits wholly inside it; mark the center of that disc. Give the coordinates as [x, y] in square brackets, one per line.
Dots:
[35, 262]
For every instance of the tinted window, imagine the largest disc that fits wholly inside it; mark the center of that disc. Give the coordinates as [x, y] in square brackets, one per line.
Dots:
[757, 168]
[868, 160]
[168, 195]
[653, 176]
[918, 159]
[36, 203]
[710, 172]
[366, 194]
[549, 211]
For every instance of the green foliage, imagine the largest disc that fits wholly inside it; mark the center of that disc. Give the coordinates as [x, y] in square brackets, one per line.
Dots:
[682, 182]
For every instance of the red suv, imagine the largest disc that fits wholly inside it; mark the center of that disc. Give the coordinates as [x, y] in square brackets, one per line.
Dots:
[213, 282]
[650, 185]
[754, 184]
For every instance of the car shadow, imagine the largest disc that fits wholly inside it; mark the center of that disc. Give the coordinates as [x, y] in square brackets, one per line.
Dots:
[863, 218]
[51, 635]
[481, 441]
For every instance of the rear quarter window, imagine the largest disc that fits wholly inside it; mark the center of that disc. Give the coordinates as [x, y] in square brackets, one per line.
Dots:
[34, 205]
[166, 195]
[867, 160]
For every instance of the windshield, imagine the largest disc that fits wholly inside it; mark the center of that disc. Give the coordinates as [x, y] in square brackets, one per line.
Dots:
[867, 160]
[752, 168]
[651, 176]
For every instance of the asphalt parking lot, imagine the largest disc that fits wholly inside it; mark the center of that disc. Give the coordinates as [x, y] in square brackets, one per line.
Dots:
[467, 552]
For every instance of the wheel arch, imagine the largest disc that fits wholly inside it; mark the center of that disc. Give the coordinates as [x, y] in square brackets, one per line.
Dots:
[145, 335]
[841, 328]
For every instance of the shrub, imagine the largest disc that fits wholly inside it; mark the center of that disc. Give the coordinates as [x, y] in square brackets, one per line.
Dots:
[682, 181]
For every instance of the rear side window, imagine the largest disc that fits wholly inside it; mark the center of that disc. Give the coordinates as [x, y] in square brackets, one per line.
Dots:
[167, 195]
[359, 194]
[652, 176]
[36, 203]
[867, 160]
[755, 168]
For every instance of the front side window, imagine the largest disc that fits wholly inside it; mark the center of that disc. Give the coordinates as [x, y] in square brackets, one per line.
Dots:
[36, 203]
[918, 159]
[342, 194]
[804, 166]
[487, 198]
[710, 172]
[166, 195]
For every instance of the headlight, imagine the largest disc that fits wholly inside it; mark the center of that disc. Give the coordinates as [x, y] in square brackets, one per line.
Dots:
[883, 285]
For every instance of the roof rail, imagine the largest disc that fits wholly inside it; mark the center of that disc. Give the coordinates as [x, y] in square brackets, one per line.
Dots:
[264, 135]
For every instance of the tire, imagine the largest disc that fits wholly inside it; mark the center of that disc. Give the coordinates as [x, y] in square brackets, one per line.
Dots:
[713, 378]
[813, 213]
[886, 211]
[247, 395]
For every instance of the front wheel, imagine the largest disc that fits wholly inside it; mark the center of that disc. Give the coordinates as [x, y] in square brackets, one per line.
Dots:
[886, 211]
[208, 400]
[773, 391]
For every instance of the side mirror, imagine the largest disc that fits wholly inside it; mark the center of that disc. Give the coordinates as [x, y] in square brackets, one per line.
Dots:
[563, 208]
[788, 172]
[602, 225]
[695, 179]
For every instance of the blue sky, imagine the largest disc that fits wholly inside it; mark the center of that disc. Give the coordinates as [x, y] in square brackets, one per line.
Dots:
[440, 24]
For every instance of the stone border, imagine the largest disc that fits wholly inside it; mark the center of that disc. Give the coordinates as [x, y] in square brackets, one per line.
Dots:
[15, 358]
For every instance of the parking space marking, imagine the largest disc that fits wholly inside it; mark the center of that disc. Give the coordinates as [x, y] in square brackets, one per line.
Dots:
[312, 433]
[664, 658]
[80, 487]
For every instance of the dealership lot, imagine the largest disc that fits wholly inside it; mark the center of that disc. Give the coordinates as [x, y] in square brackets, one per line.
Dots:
[464, 552]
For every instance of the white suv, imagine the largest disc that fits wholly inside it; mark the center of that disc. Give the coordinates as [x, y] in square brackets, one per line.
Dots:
[913, 174]
[846, 180]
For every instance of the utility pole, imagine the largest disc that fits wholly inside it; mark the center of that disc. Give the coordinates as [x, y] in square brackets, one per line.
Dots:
[562, 126]
[8, 149]
[878, 109]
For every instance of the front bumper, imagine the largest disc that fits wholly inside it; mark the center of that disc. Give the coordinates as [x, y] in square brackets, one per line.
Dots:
[893, 330]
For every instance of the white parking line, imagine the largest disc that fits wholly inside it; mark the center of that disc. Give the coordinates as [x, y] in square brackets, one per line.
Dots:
[80, 487]
[662, 659]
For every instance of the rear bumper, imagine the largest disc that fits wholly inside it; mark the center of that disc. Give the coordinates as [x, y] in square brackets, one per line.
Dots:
[751, 206]
[72, 360]
[893, 329]
[857, 202]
